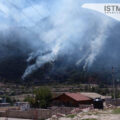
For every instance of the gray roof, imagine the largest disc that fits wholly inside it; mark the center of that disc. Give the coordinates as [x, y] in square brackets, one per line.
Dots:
[93, 95]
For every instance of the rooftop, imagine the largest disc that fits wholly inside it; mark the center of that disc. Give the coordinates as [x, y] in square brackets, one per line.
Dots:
[93, 95]
[77, 96]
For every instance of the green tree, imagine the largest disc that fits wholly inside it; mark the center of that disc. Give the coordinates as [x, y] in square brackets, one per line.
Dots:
[31, 100]
[41, 99]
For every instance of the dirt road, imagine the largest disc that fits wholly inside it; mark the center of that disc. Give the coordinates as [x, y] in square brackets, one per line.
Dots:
[96, 117]
[109, 117]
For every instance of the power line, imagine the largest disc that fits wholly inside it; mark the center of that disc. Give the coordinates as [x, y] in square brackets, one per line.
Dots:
[34, 8]
[113, 80]
[16, 7]
[31, 3]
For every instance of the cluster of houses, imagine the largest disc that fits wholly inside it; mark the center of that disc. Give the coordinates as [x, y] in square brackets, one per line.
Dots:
[63, 100]
[21, 105]
[64, 103]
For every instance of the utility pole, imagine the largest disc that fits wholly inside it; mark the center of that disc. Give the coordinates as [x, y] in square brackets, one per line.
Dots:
[113, 82]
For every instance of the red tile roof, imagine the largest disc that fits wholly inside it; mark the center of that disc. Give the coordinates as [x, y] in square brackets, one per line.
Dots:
[77, 96]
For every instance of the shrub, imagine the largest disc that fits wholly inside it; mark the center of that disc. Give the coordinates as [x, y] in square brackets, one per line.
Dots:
[116, 111]
[90, 119]
[71, 116]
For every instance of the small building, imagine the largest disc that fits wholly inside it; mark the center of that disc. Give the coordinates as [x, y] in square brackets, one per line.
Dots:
[93, 95]
[23, 105]
[71, 100]
[4, 104]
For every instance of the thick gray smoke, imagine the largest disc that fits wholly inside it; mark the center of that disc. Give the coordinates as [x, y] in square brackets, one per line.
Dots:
[55, 28]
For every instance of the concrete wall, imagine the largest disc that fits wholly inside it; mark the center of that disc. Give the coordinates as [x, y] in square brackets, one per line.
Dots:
[2, 114]
[113, 102]
[38, 113]
[31, 114]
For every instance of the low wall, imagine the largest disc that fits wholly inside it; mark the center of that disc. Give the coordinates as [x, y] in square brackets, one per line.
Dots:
[113, 102]
[62, 110]
[2, 114]
[31, 114]
[38, 113]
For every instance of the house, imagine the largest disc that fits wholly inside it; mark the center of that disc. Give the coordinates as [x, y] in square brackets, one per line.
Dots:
[93, 95]
[71, 100]
[23, 105]
[4, 104]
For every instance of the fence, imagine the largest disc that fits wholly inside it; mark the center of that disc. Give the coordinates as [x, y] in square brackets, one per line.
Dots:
[113, 102]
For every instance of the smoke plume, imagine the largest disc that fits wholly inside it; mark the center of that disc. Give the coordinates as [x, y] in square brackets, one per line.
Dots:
[46, 29]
